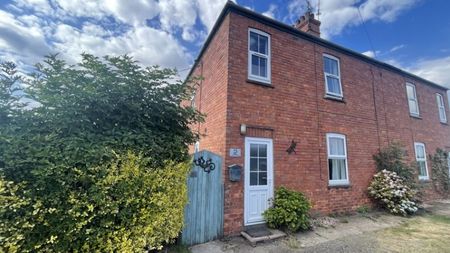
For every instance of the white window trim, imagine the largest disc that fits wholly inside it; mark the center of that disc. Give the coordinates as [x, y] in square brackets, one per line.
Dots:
[441, 106]
[197, 146]
[268, 57]
[337, 182]
[194, 94]
[416, 144]
[331, 75]
[415, 99]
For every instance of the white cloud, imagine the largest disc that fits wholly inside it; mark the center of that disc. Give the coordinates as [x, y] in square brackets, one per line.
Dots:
[340, 14]
[396, 48]
[371, 53]
[436, 70]
[271, 11]
[31, 29]
[147, 45]
[209, 10]
[22, 41]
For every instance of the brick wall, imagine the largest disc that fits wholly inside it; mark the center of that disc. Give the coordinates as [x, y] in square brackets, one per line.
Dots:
[374, 113]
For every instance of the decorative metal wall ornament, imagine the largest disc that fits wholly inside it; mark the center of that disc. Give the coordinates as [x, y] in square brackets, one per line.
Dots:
[206, 165]
[292, 147]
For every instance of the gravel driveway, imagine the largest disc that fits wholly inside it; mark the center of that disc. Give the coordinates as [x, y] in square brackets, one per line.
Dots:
[357, 233]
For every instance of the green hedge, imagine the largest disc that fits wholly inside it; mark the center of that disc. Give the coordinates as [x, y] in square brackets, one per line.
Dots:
[120, 206]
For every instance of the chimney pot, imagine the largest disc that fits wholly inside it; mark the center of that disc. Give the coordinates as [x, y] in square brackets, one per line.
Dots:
[307, 23]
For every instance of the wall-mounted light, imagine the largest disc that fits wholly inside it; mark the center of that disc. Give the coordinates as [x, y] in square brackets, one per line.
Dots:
[243, 129]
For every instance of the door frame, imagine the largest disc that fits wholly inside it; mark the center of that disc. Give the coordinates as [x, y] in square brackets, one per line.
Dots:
[270, 169]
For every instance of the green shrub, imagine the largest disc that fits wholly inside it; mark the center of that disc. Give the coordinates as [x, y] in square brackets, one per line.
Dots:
[120, 206]
[290, 210]
[392, 193]
[440, 171]
[392, 158]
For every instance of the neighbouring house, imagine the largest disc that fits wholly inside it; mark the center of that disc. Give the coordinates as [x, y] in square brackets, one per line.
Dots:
[298, 111]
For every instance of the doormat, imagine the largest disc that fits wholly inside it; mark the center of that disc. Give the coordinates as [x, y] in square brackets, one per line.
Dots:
[255, 234]
[258, 231]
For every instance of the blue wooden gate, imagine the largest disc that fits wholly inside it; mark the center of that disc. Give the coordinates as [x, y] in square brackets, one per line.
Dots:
[203, 215]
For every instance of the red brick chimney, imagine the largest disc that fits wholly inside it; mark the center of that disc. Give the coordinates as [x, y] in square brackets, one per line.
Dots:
[307, 23]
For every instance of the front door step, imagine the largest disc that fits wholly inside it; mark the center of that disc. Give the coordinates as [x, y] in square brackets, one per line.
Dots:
[260, 233]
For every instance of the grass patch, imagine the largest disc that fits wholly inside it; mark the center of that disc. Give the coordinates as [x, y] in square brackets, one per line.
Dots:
[429, 233]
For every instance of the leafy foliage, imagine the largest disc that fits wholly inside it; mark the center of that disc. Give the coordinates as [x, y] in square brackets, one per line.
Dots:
[392, 193]
[440, 171]
[121, 206]
[290, 210]
[99, 162]
[392, 158]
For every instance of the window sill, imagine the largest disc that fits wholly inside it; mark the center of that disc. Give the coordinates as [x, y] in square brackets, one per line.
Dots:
[415, 116]
[334, 98]
[339, 186]
[424, 180]
[261, 83]
[444, 123]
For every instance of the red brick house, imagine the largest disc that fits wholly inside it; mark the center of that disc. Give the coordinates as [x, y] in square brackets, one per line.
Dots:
[296, 110]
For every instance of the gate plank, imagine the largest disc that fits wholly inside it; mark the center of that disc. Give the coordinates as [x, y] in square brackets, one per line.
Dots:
[203, 215]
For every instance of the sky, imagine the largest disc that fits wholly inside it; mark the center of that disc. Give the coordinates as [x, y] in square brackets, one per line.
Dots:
[411, 34]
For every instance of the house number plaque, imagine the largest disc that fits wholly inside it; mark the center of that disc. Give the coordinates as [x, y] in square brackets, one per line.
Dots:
[235, 152]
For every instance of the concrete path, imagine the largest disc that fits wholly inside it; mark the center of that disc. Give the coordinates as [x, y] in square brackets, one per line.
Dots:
[348, 234]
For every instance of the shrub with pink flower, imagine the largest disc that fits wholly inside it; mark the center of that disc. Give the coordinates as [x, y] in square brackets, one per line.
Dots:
[392, 193]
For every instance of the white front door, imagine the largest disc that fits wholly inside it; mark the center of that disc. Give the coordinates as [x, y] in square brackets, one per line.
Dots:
[258, 178]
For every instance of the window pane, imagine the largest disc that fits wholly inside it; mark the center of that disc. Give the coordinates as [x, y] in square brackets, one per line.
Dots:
[262, 164]
[336, 146]
[262, 150]
[253, 164]
[263, 44]
[253, 178]
[333, 85]
[337, 169]
[422, 169]
[253, 150]
[420, 152]
[253, 42]
[255, 65]
[439, 100]
[263, 67]
[413, 106]
[262, 178]
[410, 92]
[331, 66]
[442, 114]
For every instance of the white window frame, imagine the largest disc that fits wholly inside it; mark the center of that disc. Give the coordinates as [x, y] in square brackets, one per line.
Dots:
[337, 182]
[441, 106]
[268, 58]
[415, 100]
[194, 94]
[417, 144]
[325, 74]
[196, 146]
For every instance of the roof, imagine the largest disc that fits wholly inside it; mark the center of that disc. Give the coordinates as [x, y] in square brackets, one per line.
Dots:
[235, 8]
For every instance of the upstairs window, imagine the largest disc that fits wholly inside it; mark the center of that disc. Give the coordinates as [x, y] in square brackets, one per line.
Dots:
[441, 108]
[412, 99]
[332, 75]
[193, 99]
[258, 56]
[337, 159]
[421, 159]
